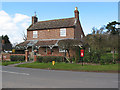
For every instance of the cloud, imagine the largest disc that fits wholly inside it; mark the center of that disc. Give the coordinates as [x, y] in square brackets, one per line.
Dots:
[13, 26]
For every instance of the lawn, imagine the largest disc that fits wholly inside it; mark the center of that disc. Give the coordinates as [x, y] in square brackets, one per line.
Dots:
[72, 67]
[5, 63]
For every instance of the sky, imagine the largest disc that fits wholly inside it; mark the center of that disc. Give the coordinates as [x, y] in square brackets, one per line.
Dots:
[15, 17]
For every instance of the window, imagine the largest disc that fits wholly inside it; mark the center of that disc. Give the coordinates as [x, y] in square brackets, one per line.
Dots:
[61, 50]
[35, 34]
[63, 32]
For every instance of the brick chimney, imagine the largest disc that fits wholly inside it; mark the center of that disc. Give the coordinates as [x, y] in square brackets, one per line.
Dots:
[76, 13]
[34, 19]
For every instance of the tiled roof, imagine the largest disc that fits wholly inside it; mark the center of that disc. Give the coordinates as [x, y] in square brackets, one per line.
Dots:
[43, 43]
[23, 43]
[51, 24]
[38, 43]
[46, 43]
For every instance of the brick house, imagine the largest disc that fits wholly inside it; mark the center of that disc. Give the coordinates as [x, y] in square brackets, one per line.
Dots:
[44, 35]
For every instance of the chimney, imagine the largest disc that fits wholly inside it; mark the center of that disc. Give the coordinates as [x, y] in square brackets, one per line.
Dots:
[76, 13]
[34, 19]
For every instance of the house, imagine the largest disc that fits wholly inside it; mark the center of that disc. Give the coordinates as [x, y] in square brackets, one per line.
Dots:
[45, 35]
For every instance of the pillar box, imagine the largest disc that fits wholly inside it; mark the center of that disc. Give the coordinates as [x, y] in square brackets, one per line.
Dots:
[26, 55]
[82, 53]
[35, 55]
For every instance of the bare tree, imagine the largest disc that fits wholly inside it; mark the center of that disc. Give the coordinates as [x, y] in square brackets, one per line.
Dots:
[24, 36]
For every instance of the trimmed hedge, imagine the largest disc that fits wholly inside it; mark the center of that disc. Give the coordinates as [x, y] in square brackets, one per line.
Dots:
[46, 59]
[17, 58]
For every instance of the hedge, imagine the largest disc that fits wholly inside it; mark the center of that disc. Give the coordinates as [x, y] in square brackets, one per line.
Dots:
[17, 58]
[106, 58]
[46, 59]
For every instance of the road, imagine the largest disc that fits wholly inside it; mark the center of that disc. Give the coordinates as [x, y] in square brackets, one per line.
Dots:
[15, 77]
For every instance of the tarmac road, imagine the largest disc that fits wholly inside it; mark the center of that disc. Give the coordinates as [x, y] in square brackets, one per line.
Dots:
[15, 77]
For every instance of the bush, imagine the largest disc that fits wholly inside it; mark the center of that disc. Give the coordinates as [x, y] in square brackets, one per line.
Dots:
[47, 59]
[39, 59]
[107, 58]
[95, 57]
[17, 58]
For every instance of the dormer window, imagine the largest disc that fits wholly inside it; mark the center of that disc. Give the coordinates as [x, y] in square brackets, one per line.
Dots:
[63, 32]
[35, 34]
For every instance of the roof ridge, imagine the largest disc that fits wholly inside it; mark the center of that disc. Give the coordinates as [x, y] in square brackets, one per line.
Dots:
[55, 23]
[56, 19]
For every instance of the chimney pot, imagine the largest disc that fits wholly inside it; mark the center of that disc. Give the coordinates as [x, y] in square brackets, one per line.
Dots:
[76, 13]
[76, 8]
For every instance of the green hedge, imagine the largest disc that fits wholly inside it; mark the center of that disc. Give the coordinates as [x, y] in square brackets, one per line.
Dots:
[17, 58]
[46, 59]
[106, 58]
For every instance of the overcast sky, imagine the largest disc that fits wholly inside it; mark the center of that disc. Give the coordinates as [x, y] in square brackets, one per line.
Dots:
[15, 18]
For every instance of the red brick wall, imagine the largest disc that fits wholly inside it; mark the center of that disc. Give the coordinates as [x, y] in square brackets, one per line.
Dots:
[6, 56]
[50, 34]
[78, 31]
[42, 51]
[55, 52]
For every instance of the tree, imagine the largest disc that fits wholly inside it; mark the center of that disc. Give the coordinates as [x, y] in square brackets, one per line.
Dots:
[113, 36]
[6, 39]
[24, 36]
[67, 44]
[96, 42]
[7, 44]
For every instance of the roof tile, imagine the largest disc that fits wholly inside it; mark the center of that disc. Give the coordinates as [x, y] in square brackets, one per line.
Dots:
[50, 24]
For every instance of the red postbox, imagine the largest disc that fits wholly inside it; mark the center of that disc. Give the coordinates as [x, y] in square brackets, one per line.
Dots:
[81, 52]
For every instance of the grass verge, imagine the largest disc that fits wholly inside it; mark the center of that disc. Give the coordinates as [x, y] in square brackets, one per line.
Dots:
[5, 63]
[72, 67]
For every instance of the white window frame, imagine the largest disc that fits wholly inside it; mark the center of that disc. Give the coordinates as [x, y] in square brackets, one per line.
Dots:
[35, 34]
[63, 32]
[61, 50]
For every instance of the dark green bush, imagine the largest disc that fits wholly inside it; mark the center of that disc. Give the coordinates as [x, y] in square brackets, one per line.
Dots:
[97, 57]
[39, 59]
[107, 58]
[87, 57]
[17, 58]
[47, 59]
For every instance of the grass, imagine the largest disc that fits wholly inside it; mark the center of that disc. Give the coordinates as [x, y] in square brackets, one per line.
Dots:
[5, 63]
[72, 67]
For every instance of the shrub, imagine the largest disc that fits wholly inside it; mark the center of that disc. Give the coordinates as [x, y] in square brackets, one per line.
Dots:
[47, 59]
[39, 59]
[72, 59]
[17, 58]
[107, 58]
[59, 59]
[97, 57]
